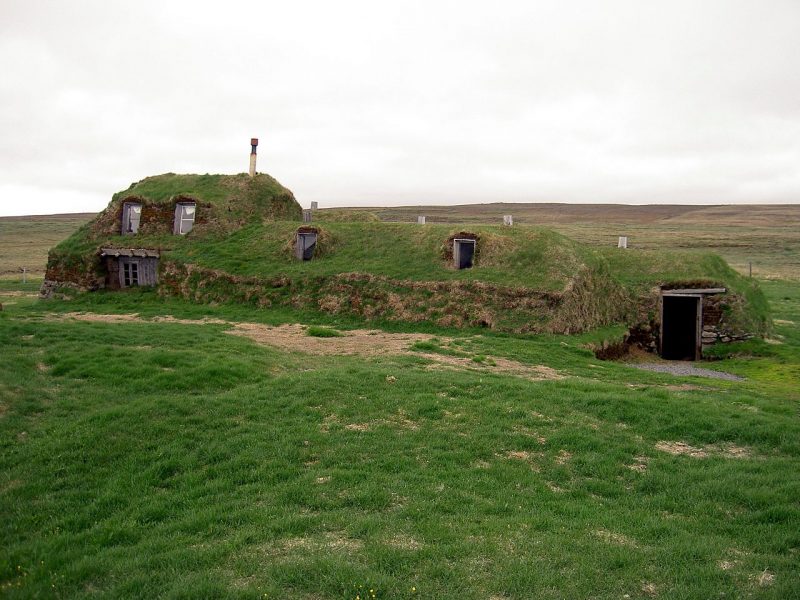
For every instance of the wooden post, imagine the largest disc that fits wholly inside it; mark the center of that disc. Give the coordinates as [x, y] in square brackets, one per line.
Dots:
[24, 275]
[751, 270]
[698, 340]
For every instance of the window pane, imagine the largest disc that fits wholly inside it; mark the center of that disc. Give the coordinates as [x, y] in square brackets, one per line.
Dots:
[187, 213]
[131, 216]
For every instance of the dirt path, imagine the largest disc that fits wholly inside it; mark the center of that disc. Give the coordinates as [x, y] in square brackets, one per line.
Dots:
[356, 342]
[361, 342]
[684, 368]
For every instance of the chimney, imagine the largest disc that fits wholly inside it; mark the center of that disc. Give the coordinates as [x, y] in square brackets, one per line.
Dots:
[253, 146]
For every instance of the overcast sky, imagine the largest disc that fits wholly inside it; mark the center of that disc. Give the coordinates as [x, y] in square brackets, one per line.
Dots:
[378, 103]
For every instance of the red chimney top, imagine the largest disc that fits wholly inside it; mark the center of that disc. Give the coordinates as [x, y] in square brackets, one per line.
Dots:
[254, 141]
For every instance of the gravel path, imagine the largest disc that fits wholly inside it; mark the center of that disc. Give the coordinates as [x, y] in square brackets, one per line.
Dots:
[685, 368]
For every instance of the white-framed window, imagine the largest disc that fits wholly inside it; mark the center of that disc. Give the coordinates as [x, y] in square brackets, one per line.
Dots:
[184, 217]
[131, 217]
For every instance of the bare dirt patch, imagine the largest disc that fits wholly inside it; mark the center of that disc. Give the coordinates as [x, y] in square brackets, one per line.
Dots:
[639, 465]
[523, 456]
[357, 427]
[649, 588]
[681, 448]
[518, 454]
[398, 420]
[501, 365]
[528, 432]
[357, 342]
[362, 342]
[684, 449]
[765, 578]
[726, 565]
[403, 541]
[563, 457]
[685, 387]
[132, 318]
[617, 539]
[95, 318]
[332, 540]
[402, 420]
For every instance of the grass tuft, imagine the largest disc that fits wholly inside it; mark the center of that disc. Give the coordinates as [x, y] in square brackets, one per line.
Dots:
[322, 332]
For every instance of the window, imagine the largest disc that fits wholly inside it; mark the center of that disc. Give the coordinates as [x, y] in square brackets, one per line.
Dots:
[130, 272]
[131, 217]
[184, 218]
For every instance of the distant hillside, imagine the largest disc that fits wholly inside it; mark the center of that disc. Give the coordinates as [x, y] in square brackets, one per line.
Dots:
[25, 241]
[551, 213]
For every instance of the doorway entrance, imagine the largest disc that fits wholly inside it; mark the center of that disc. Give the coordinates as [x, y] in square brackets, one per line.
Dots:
[463, 253]
[681, 326]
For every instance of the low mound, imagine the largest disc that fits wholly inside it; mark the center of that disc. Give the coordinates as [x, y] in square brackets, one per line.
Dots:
[241, 247]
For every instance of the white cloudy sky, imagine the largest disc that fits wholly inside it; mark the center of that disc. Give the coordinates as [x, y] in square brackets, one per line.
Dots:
[373, 102]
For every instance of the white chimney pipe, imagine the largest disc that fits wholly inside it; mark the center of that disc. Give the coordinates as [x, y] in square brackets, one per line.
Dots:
[253, 146]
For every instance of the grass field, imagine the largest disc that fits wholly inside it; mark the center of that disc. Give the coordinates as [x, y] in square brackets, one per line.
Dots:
[155, 448]
[146, 458]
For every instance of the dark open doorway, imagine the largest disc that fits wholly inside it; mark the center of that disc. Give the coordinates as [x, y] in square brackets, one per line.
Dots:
[463, 253]
[681, 320]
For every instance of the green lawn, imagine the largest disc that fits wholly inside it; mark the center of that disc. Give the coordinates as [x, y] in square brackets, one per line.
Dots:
[157, 459]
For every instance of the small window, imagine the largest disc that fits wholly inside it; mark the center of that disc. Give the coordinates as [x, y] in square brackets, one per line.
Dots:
[184, 218]
[130, 273]
[131, 217]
